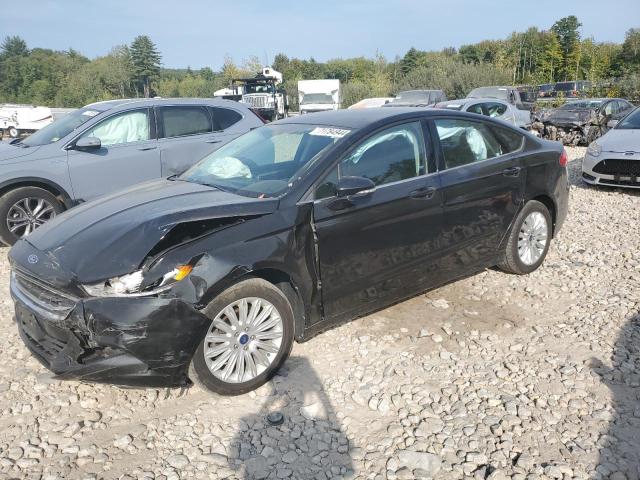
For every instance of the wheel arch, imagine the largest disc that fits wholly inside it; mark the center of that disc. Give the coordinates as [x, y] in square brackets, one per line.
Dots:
[548, 202]
[43, 183]
[281, 279]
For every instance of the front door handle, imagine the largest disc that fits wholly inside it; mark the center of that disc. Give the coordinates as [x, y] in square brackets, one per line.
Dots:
[511, 172]
[213, 141]
[144, 149]
[424, 192]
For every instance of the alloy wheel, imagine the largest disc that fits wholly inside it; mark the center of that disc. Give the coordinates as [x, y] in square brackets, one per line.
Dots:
[532, 239]
[243, 340]
[27, 214]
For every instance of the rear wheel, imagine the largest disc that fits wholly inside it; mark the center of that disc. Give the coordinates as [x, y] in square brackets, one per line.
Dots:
[250, 336]
[529, 239]
[23, 210]
[13, 132]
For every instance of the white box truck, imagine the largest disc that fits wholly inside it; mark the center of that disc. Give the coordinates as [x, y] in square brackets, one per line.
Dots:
[319, 95]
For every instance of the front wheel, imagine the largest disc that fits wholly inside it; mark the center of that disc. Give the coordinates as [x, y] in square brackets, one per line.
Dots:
[249, 338]
[23, 210]
[529, 239]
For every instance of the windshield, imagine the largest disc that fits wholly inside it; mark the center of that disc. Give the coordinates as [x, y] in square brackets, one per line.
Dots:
[489, 92]
[264, 162]
[308, 98]
[581, 104]
[60, 128]
[412, 97]
[259, 88]
[631, 121]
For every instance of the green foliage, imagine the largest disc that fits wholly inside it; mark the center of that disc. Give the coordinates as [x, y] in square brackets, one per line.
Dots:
[67, 79]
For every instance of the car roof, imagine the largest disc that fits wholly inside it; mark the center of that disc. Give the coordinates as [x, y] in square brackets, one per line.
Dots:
[125, 103]
[352, 119]
[361, 118]
[464, 101]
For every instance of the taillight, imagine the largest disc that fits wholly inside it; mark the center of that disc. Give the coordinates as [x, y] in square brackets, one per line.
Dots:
[564, 159]
[257, 114]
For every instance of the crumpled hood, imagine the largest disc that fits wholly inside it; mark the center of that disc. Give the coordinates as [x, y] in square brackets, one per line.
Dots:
[621, 140]
[12, 152]
[558, 116]
[111, 236]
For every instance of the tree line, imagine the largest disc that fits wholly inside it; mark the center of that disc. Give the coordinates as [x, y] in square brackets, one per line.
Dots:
[69, 79]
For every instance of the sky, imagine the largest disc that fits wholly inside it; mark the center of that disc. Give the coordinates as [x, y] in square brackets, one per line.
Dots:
[200, 33]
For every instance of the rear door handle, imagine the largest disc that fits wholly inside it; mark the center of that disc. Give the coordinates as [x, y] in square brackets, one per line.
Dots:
[424, 192]
[143, 149]
[511, 172]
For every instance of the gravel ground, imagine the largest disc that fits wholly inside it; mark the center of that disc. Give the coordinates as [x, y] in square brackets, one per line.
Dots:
[495, 376]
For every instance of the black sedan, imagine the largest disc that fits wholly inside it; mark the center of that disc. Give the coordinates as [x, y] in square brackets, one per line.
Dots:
[289, 229]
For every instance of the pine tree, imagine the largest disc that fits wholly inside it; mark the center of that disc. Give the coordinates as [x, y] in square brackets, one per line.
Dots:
[145, 60]
[14, 47]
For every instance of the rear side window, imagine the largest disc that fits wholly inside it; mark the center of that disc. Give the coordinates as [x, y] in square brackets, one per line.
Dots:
[223, 118]
[464, 142]
[509, 140]
[179, 121]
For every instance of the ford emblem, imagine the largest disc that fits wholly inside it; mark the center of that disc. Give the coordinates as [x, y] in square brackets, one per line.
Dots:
[33, 259]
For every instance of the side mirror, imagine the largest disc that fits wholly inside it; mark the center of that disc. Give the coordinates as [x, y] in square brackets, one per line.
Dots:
[88, 143]
[348, 186]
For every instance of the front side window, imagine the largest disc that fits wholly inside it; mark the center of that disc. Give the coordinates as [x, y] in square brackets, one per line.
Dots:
[265, 162]
[394, 154]
[126, 127]
[184, 120]
[389, 156]
[464, 142]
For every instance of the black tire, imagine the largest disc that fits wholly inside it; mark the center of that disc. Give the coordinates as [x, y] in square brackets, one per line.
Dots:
[13, 132]
[512, 262]
[199, 372]
[12, 197]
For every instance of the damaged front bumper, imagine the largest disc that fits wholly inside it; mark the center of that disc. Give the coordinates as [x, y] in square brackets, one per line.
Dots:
[140, 341]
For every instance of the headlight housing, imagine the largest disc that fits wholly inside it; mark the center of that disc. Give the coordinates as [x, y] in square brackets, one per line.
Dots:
[135, 284]
[594, 149]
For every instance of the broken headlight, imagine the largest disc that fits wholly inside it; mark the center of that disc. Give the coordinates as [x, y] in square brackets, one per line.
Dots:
[135, 284]
[594, 149]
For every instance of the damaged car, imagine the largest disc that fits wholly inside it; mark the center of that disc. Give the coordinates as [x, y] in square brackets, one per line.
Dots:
[107, 146]
[578, 122]
[288, 230]
[491, 107]
[614, 159]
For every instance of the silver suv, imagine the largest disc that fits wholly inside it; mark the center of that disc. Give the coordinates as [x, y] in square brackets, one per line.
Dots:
[105, 147]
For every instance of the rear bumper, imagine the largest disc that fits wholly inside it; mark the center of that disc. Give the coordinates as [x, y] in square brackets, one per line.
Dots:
[128, 341]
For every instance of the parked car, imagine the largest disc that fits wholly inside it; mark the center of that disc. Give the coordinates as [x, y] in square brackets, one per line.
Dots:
[614, 159]
[506, 93]
[490, 107]
[546, 90]
[417, 98]
[574, 89]
[371, 103]
[105, 147]
[213, 274]
[579, 122]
